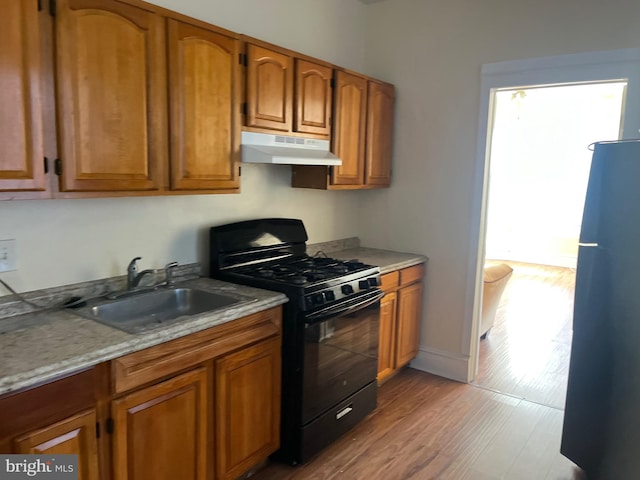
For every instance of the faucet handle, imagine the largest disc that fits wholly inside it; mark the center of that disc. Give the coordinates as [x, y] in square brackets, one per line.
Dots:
[132, 265]
[168, 271]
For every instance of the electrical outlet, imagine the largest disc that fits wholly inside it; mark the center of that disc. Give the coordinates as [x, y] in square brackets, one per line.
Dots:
[7, 255]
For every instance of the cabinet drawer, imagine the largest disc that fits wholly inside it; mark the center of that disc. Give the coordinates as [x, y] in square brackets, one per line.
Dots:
[389, 281]
[411, 274]
[159, 361]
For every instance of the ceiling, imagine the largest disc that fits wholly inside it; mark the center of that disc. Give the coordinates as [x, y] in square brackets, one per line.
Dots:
[367, 2]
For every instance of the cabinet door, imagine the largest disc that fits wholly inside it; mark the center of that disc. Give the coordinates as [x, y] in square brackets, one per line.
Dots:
[21, 144]
[74, 435]
[409, 318]
[111, 96]
[313, 98]
[247, 407]
[205, 108]
[160, 432]
[379, 134]
[386, 347]
[349, 129]
[269, 89]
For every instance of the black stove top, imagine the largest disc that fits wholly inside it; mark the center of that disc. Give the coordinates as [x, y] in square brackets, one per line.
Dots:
[303, 271]
[270, 254]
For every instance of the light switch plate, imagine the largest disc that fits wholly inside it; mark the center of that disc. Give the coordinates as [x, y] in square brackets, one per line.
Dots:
[7, 255]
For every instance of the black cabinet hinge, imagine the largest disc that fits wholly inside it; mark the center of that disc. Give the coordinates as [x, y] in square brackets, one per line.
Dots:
[97, 429]
[109, 425]
[333, 83]
[39, 5]
[46, 165]
[245, 108]
[52, 8]
[239, 171]
[242, 59]
[57, 166]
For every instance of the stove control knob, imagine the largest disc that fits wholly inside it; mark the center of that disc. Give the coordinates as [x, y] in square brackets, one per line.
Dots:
[318, 299]
[329, 296]
[373, 281]
[347, 289]
[363, 284]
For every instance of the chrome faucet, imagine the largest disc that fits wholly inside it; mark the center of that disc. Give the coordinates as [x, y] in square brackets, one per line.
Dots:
[168, 273]
[133, 277]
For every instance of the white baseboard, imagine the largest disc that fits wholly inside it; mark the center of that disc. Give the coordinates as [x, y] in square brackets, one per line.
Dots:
[442, 363]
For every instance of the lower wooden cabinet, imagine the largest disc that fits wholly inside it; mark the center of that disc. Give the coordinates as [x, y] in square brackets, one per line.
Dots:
[386, 350]
[160, 432]
[247, 408]
[73, 435]
[409, 316]
[200, 407]
[400, 318]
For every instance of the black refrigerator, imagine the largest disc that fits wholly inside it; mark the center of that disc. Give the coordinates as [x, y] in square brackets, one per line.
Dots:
[601, 430]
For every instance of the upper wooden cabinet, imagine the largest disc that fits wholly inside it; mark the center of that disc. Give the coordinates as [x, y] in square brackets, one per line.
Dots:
[349, 132]
[111, 84]
[381, 98]
[21, 143]
[362, 137]
[204, 92]
[281, 100]
[312, 98]
[132, 99]
[269, 89]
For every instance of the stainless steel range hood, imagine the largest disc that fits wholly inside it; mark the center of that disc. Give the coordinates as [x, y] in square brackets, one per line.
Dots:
[285, 150]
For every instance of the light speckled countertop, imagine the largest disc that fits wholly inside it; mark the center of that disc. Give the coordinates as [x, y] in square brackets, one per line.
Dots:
[38, 347]
[350, 249]
[388, 261]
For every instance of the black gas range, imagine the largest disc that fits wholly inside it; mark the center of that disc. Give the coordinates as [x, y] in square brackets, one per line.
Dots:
[330, 327]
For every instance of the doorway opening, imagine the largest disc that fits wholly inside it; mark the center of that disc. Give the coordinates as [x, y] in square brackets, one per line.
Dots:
[538, 171]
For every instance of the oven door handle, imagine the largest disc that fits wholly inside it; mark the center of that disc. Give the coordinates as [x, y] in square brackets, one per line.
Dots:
[340, 310]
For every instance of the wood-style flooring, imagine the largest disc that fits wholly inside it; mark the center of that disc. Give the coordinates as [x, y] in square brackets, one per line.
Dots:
[526, 353]
[507, 426]
[427, 427]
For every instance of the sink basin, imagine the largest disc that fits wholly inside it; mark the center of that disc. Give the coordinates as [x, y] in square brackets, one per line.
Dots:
[145, 311]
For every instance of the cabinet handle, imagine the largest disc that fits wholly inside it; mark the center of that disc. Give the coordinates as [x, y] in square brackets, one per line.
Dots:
[344, 411]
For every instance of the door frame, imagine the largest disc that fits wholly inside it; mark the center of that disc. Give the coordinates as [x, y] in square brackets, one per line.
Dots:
[578, 68]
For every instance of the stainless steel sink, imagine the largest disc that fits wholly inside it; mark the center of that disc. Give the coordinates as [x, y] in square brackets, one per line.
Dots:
[142, 312]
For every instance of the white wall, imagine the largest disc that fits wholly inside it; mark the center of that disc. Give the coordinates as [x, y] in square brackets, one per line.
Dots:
[67, 241]
[433, 51]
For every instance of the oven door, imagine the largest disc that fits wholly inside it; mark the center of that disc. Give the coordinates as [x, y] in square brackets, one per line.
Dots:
[340, 352]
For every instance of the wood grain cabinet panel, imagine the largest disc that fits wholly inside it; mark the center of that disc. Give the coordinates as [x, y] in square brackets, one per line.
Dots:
[386, 345]
[313, 98]
[111, 96]
[409, 319]
[21, 148]
[205, 117]
[247, 407]
[75, 435]
[400, 319]
[160, 432]
[350, 123]
[381, 99]
[362, 137]
[269, 89]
